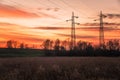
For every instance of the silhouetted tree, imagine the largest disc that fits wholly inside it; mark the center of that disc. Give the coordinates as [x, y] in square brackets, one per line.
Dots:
[26, 46]
[9, 44]
[64, 44]
[113, 44]
[84, 48]
[15, 44]
[57, 46]
[90, 49]
[111, 48]
[82, 45]
[22, 46]
[51, 45]
[46, 44]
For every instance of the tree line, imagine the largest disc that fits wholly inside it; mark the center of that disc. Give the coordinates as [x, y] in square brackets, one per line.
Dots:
[63, 48]
[82, 48]
[12, 44]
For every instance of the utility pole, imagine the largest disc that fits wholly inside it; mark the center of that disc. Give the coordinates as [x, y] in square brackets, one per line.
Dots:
[101, 32]
[73, 35]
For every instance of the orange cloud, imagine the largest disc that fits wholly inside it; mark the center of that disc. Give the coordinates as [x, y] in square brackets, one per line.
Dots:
[14, 12]
[22, 38]
[111, 16]
[79, 36]
[10, 31]
[37, 35]
[106, 29]
[84, 27]
[51, 28]
[98, 24]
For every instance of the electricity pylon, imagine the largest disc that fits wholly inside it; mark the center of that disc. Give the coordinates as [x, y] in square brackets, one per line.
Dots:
[73, 35]
[101, 32]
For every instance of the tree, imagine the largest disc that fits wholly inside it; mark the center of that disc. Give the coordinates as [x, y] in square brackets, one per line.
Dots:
[82, 45]
[26, 46]
[64, 44]
[22, 46]
[57, 45]
[51, 45]
[9, 44]
[113, 44]
[46, 44]
[85, 48]
[15, 44]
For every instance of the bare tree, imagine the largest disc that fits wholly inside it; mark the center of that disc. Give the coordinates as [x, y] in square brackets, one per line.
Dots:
[15, 43]
[113, 44]
[51, 45]
[57, 45]
[82, 45]
[9, 44]
[46, 44]
[22, 46]
[64, 44]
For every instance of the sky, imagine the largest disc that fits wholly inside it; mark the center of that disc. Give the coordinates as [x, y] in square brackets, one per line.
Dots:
[33, 21]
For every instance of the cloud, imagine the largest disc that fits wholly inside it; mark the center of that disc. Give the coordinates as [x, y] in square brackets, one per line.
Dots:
[10, 31]
[98, 24]
[4, 26]
[2, 42]
[78, 36]
[85, 26]
[50, 9]
[14, 12]
[110, 16]
[119, 1]
[8, 24]
[97, 29]
[95, 26]
[20, 37]
[41, 14]
[51, 28]
[29, 39]
[53, 9]
[90, 24]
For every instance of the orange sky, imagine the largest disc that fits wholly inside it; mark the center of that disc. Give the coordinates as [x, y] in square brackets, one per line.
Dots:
[32, 21]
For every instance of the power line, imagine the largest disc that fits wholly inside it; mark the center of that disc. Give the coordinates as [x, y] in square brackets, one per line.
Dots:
[57, 6]
[58, 23]
[74, 9]
[65, 12]
[67, 5]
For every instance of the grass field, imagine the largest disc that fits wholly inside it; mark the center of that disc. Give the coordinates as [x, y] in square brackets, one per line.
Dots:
[21, 53]
[60, 68]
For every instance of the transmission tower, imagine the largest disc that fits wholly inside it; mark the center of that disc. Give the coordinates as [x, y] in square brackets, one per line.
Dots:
[101, 32]
[73, 35]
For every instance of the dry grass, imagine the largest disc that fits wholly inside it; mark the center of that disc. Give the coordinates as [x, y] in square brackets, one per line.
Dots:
[60, 68]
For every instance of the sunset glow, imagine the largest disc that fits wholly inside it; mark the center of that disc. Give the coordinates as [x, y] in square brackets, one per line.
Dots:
[33, 21]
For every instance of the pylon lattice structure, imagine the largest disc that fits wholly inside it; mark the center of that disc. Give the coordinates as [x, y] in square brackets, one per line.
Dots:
[101, 32]
[73, 35]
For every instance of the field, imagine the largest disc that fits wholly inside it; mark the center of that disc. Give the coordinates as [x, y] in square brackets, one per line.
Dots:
[4, 52]
[60, 68]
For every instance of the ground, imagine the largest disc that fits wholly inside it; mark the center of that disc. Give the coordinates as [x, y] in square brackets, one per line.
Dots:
[60, 68]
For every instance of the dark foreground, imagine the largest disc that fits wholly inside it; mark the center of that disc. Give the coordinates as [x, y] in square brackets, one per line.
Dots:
[60, 68]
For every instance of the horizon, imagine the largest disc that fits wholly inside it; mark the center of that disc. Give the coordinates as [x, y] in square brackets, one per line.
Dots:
[33, 21]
